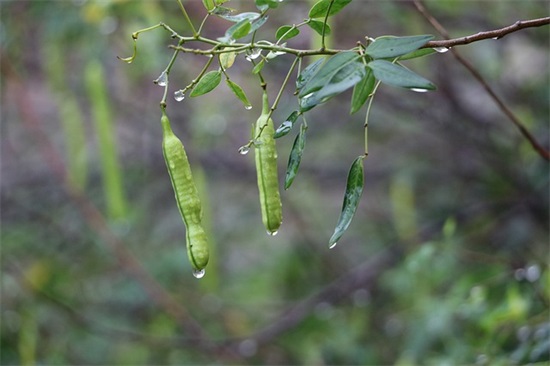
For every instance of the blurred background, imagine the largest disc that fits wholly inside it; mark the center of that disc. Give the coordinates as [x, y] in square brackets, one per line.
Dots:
[445, 262]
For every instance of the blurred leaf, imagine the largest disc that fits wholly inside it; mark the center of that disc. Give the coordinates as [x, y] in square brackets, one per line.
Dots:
[258, 67]
[287, 125]
[239, 92]
[240, 17]
[320, 8]
[308, 73]
[362, 90]
[396, 75]
[418, 53]
[207, 83]
[334, 64]
[227, 59]
[209, 4]
[238, 30]
[258, 23]
[286, 32]
[295, 157]
[354, 189]
[264, 4]
[317, 26]
[390, 46]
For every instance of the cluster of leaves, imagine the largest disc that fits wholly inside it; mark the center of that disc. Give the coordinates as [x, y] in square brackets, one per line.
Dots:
[362, 68]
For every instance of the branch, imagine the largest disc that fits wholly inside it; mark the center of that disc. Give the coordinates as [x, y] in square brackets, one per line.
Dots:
[492, 34]
[544, 153]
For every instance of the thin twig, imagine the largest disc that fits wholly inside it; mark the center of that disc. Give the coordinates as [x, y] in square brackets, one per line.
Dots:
[492, 34]
[544, 153]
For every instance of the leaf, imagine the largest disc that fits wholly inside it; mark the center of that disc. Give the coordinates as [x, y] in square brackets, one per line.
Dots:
[327, 71]
[362, 90]
[396, 75]
[264, 4]
[390, 46]
[354, 190]
[308, 73]
[258, 23]
[240, 17]
[209, 4]
[258, 67]
[320, 8]
[238, 30]
[287, 125]
[317, 26]
[227, 59]
[418, 53]
[207, 83]
[295, 157]
[343, 79]
[239, 93]
[286, 32]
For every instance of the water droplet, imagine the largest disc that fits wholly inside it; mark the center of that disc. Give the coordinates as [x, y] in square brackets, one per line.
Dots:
[495, 38]
[162, 80]
[243, 150]
[248, 347]
[179, 95]
[253, 54]
[272, 233]
[532, 273]
[519, 274]
[441, 49]
[199, 273]
[332, 245]
[419, 90]
[248, 107]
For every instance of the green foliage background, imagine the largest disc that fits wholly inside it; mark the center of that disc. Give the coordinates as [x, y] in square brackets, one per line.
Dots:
[446, 261]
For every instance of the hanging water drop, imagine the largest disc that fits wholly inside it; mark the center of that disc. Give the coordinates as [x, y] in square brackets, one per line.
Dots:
[441, 49]
[253, 54]
[332, 245]
[162, 80]
[248, 107]
[243, 150]
[272, 233]
[199, 273]
[179, 95]
[419, 90]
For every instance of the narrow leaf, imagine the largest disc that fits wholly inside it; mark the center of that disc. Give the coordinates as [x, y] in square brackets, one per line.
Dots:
[238, 30]
[418, 53]
[396, 75]
[207, 83]
[362, 90]
[264, 4]
[286, 32]
[209, 4]
[308, 73]
[295, 157]
[287, 125]
[258, 23]
[327, 71]
[320, 8]
[239, 93]
[317, 26]
[240, 17]
[343, 79]
[389, 46]
[354, 189]
[258, 67]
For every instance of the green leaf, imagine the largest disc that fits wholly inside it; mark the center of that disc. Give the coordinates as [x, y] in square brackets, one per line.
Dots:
[295, 157]
[239, 92]
[238, 30]
[354, 189]
[207, 83]
[287, 125]
[317, 26]
[308, 73]
[320, 8]
[418, 53]
[240, 17]
[396, 75]
[327, 71]
[227, 59]
[209, 4]
[258, 67]
[258, 23]
[390, 46]
[264, 4]
[286, 32]
[346, 77]
[361, 91]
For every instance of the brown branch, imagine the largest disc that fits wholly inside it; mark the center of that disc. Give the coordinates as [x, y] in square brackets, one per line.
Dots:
[492, 34]
[544, 153]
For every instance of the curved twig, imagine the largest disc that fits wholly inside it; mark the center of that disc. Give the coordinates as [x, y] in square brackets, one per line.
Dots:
[544, 153]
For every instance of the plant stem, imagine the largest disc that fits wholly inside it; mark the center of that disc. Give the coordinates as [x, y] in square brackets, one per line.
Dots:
[325, 25]
[195, 33]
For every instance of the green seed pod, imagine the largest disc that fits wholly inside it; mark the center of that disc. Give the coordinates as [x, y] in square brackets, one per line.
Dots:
[187, 196]
[266, 169]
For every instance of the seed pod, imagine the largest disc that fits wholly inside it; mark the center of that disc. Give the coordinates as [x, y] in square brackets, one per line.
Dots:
[266, 169]
[187, 196]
